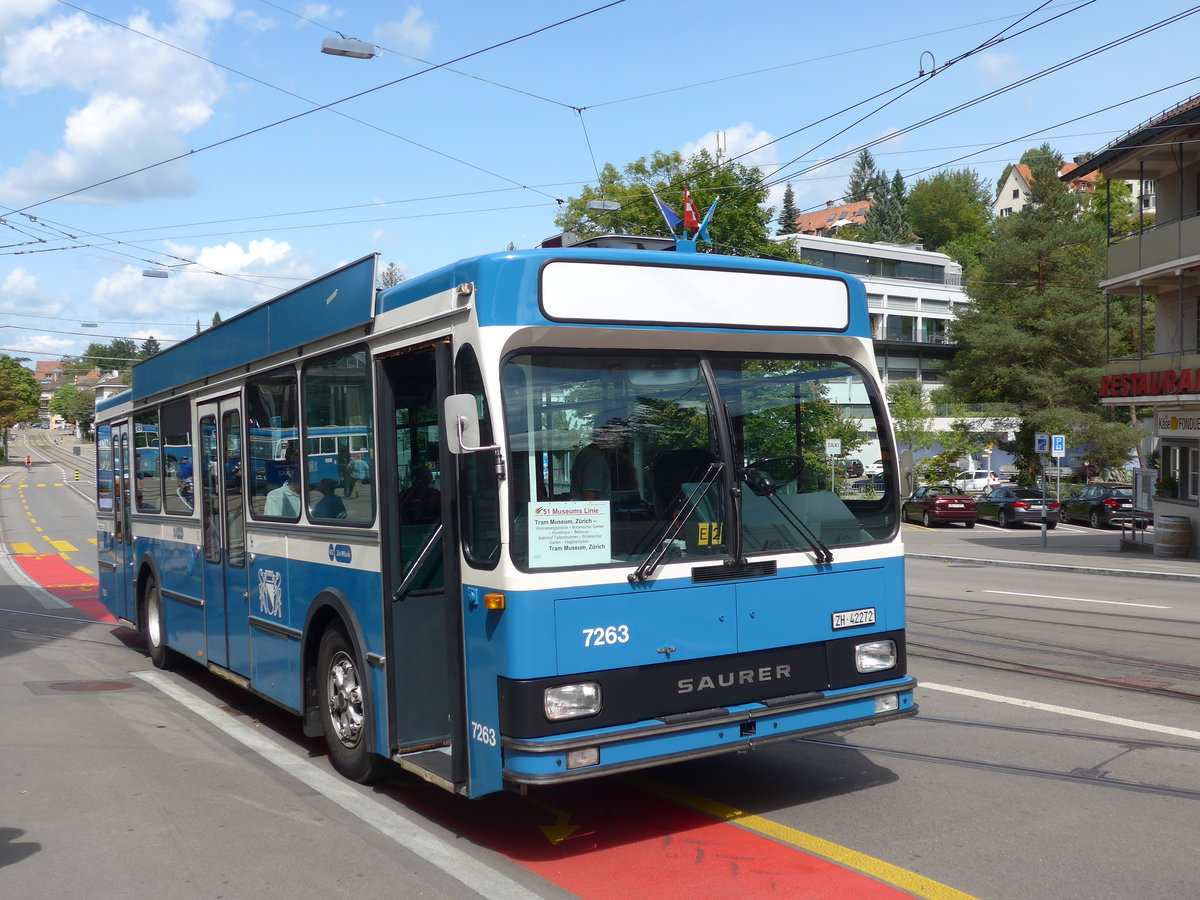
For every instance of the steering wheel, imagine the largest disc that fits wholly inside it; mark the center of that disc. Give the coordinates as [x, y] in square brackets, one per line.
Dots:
[767, 475]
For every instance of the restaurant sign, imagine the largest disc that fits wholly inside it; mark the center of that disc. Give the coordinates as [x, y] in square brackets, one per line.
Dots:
[1151, 384]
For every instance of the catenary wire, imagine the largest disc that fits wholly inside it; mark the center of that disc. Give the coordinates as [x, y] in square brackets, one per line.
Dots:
[357, 95]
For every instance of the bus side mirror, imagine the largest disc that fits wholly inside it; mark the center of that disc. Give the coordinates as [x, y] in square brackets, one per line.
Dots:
[462, 429]
[462, 424]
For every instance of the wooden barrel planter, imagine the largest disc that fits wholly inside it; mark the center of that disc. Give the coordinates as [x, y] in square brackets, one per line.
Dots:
[1173, 536]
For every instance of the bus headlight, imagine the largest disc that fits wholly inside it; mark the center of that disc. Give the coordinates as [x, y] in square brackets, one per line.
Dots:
[875, 656]
[572, 701]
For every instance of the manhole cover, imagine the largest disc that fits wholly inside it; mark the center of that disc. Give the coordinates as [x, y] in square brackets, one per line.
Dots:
[88, 687]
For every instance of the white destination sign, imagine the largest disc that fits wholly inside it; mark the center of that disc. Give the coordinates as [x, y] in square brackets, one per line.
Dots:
[570, 533]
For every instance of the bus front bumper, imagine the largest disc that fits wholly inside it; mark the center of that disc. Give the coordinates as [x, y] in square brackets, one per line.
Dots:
[588, 754]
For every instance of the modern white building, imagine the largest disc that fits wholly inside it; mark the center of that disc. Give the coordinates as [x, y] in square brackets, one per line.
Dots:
[913, 295]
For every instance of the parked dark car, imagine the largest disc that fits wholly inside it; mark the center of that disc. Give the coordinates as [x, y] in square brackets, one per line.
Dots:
[852, 467]
[935, 504]
[1101, 505]
[1014, 506]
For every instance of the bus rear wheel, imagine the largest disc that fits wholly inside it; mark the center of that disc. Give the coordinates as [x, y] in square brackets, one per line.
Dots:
[154, 629]
[343, 709]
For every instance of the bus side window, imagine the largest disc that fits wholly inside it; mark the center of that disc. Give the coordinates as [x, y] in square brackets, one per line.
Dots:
[479, 490]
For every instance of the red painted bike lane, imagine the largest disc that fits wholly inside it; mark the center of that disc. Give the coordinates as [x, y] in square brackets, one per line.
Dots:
[66, 582]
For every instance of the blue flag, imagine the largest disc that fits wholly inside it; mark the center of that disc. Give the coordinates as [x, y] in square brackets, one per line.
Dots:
[668, 214]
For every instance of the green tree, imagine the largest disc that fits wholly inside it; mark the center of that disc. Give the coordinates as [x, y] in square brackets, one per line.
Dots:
[75, 405]
[150, 347]
[740, 226]
[216, 319]
[788, 212]
[887, 218]
[20, 396]
[958, 443]
[911, 415]
[1034, 334]
[865, 181]
[390, 276]
[951, 207]
[118, 355]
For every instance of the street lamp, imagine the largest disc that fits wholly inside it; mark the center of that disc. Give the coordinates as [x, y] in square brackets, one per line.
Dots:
[344, 46]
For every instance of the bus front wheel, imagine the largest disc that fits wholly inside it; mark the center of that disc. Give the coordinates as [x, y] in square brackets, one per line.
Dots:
[161, 655]
[343, 709]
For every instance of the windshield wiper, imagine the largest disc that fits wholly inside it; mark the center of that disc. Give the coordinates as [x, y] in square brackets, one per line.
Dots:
[664, 543]
[824, 554]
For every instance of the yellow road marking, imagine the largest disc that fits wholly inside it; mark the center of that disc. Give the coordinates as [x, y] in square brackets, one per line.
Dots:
[40, 530]
[85, 570]
[63, 546]
[915, 884]
[95, 541]
[22, 548]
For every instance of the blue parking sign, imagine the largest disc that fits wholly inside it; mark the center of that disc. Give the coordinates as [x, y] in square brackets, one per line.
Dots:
[1041, 442]
[1058, 445]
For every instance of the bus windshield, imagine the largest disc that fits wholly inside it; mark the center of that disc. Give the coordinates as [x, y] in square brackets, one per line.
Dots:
[618, 456]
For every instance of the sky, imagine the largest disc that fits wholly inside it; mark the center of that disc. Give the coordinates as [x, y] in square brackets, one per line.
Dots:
[212, 141]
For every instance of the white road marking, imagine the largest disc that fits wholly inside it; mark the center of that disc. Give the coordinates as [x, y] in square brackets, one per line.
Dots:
[1076, 599]
[1064, 711]
[476, 875]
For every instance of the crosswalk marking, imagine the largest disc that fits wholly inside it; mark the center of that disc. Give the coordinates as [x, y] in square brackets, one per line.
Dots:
[22, 548]
[63, 546]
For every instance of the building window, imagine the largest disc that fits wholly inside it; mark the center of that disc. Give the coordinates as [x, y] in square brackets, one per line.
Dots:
[934, 331]
[1181, 463]
[1016, 193]
[901, 328]
[1007, 211]
[1148, 194]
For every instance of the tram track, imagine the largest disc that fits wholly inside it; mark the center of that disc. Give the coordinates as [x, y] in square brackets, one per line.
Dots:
[1083, 777]
[1126, 742]
[1030, 645]
[1088, 626]
[963, 657]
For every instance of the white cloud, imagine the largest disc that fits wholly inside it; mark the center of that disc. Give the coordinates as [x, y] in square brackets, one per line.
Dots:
[997, 68]
[739, 140]
[190, 293]
[142, 99]
[253, 21]
[320, 12]
[13, 12]
[412, 34]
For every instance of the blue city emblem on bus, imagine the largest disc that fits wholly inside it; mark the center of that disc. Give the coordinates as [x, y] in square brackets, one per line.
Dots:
[339, 553]
[178, 534]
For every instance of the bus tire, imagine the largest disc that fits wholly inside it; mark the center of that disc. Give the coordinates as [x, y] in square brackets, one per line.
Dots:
[155, 631]
[343, 708]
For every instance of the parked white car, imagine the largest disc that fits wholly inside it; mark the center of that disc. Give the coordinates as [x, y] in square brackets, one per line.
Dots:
[974, 482]
[871, 469]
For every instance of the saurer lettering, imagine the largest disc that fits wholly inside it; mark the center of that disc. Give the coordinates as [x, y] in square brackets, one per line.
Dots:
[729, 679]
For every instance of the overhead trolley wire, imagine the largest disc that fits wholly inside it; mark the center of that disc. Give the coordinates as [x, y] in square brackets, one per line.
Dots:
[324, 106]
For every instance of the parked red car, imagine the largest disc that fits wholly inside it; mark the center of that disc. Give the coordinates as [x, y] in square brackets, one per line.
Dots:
[935, 504]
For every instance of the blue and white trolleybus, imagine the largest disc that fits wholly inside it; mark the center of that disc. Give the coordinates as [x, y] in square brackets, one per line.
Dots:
[533, 517]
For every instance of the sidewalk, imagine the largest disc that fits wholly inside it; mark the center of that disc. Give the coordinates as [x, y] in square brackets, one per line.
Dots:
[1068, 548]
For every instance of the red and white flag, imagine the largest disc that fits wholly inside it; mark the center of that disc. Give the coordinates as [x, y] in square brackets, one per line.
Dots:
[691, 221]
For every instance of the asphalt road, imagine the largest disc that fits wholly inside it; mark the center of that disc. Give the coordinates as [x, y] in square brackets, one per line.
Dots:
[1056, 755]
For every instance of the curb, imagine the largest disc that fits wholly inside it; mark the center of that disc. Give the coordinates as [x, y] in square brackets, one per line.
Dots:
[1056, 567]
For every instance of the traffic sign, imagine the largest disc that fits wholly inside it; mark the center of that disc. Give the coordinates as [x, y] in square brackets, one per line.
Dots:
[833, 446]
[1041, 442]
[1058, 445]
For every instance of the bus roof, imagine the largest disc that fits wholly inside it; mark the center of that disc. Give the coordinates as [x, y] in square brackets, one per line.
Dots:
[338, 301]
[510, 287]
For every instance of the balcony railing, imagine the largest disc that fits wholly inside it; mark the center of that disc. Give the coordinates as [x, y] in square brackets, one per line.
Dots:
[1157, 246]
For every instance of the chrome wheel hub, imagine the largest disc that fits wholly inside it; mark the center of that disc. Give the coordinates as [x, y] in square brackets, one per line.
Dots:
[345, 699]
